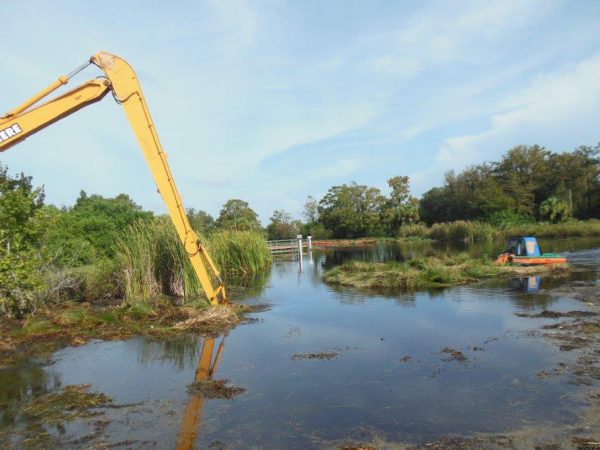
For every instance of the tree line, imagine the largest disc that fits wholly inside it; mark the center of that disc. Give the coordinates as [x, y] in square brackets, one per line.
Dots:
[527, 184]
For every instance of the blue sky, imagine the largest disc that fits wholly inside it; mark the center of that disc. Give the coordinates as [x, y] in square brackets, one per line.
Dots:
[271, 101]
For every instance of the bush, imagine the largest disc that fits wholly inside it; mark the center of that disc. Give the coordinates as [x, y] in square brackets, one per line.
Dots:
[20, 282]
[92, 283]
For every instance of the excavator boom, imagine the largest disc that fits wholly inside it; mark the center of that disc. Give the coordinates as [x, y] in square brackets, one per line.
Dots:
[27, 119]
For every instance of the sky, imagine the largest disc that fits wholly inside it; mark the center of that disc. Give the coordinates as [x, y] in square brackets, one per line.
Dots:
[272, 101]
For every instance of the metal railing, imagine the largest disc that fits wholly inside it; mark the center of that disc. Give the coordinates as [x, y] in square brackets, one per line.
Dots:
[290, 246]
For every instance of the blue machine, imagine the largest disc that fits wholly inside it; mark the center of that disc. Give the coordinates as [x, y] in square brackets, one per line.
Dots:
[524, 246]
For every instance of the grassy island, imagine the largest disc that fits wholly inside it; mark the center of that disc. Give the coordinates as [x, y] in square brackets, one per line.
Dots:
[434, 271]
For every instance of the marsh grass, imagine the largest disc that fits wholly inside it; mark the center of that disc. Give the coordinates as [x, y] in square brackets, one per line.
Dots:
[575, 228]
[152, 260]
[434, 271]
[473, 231]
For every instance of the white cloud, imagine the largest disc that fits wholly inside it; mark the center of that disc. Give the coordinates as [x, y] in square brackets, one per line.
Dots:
[559, 109]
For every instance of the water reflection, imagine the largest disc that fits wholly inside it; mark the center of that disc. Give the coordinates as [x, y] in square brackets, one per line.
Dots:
[20, 384]
[192, 418]
[527, 284]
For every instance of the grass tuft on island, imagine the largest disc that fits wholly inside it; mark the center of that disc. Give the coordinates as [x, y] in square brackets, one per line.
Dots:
[433, 271]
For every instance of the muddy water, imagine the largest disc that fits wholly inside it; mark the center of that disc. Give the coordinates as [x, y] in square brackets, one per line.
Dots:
[408, 367]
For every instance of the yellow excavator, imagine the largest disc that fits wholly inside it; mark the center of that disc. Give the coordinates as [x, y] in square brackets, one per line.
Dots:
[121, 81]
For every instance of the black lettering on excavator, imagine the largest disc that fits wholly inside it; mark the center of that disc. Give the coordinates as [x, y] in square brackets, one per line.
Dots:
[9, 132]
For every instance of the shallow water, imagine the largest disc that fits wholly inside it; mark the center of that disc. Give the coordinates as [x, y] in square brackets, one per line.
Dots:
[390, 379]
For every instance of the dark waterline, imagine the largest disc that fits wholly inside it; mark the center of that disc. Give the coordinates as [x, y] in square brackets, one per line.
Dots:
[391, 377]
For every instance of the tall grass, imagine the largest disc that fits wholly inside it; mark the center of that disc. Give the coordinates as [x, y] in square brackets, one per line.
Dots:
[575, 228]
[239, 252]
[459, 230]
[462, 230]
[467, 231]
[153, 261]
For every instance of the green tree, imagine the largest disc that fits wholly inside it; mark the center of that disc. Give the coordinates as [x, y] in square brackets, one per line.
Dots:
[200, 220]
[527, 176]
[351, 211]
[90, 229]
[555, 210]
[282, 226]
[401, 208]
[20, 204]
[22, 222]
[237, 215]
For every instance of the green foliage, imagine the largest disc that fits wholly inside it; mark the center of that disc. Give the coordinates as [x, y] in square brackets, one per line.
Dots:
[21, 282]
[88, 231]
[20, 204]
[507, 218]
[237, 215]
[153, 261]
[575, 228]
[414, 230]
[201, 221]
[282, 226]
[400, 208]
[22, 221]
[238, 253]
[515, 187]
[555, 210]
[351, 211]
[311, 210]
[464, 231]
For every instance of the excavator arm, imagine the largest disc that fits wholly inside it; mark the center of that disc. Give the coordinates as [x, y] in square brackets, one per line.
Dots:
[119, 79]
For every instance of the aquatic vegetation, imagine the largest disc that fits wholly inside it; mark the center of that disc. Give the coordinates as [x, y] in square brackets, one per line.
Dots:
[239, 252]
[575, 228]
[470, 231]
[434, 271]
[153, 261]
[214, 389]
[461, 230]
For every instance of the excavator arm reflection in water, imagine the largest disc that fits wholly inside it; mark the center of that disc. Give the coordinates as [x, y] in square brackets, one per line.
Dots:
[193, 411]
[120, 80]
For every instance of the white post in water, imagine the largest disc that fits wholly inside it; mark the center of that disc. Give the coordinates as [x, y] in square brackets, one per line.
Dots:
[310, 260]
[299, 237]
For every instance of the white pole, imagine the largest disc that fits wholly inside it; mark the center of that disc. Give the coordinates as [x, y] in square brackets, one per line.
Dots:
[299, 237]
[309, 238]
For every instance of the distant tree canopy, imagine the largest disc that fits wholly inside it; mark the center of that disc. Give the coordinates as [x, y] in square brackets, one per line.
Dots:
[528, 183]
[201, 221]
[237, 215]
[282, 226]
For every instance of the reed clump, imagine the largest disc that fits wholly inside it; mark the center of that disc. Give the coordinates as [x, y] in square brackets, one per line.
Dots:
[460, 230]
[428, 272]
[152, 260]
[475, 231]
[574, 228]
